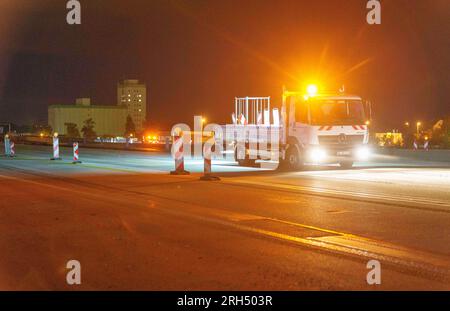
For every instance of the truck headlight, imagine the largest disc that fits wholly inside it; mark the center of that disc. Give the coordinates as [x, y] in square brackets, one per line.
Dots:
[363, 153]
[317, 154]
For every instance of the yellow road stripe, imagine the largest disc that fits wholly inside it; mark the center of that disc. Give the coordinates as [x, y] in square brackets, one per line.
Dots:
[348, 244]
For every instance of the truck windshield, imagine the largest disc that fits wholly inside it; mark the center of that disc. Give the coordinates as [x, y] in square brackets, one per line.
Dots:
[337, 112]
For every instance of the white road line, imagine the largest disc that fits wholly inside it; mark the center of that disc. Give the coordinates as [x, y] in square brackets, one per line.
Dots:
[390, 198]
[336, 242]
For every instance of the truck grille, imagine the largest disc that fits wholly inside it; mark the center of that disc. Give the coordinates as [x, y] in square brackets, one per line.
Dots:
[341, 139]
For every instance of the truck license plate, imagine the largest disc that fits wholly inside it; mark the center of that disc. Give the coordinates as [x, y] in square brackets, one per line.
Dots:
[343, 153]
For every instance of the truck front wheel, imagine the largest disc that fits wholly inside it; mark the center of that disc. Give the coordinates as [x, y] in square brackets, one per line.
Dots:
[293, 160]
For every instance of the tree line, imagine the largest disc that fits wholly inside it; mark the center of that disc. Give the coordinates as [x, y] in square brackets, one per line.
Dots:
[88, 129]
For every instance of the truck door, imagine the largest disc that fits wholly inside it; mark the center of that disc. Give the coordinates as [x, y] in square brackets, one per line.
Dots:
[299, 120]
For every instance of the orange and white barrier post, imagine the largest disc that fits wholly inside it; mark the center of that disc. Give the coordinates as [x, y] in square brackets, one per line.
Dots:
[242, 120]
[259, 120]
[207, 167]
[178, 154]
[12, 150]
[55, 148]
[7, 146]
[76, 156]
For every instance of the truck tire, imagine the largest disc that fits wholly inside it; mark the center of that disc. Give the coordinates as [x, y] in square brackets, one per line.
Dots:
[293, 160]
[346, 164]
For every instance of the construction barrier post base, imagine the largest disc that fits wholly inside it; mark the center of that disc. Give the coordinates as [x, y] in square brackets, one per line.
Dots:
[77, 162]
[180, 172]
[209, 177]
[55, 159]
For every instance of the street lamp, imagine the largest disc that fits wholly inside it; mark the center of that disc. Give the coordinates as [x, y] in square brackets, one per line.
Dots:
[407, 124]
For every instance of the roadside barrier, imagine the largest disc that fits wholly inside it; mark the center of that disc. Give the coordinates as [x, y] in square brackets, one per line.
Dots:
[55, 148]
[7, 146]
[12, 150]
[207, 168]
[242, 120]
[259, 120]
[178, 154]
[76, 156]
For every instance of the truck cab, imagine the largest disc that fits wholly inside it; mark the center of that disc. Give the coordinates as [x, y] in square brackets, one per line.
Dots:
[324, 128]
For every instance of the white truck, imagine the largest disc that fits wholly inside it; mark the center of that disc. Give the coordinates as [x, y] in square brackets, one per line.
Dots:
[312, 128]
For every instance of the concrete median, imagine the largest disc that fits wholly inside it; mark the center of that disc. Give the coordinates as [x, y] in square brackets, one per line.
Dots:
[441, 155]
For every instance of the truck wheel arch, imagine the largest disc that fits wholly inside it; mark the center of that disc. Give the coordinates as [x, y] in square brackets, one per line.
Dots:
[293, 142]
[293, 146]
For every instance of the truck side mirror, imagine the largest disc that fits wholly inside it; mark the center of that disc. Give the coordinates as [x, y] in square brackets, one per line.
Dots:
[368, 109]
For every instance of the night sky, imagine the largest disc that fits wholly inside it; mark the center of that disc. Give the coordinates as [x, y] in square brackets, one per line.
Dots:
[197, 55]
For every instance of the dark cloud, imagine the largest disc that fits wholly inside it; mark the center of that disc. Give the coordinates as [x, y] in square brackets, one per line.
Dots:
[196, 56]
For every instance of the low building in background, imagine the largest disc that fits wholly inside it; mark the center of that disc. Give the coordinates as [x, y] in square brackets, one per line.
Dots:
[109, 120]
[133, 95]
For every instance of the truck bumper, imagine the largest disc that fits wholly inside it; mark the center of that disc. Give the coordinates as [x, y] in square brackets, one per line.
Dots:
[326, 154]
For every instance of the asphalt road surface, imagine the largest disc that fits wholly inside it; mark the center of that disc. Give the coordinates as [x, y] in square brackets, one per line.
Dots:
[132, 226]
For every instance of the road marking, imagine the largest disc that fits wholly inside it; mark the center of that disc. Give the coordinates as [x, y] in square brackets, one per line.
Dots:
[98, 165]
[334, 241]
[344, 193]
[429, 177]
[337, 242]
[383, 248]
[32, 182]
